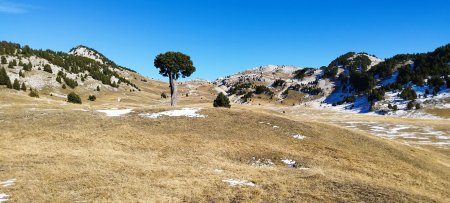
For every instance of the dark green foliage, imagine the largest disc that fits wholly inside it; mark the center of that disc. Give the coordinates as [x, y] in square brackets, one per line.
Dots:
[222, 101]
[395, 108]
[376, 95]
[11, 64]
[330, 72]
[300, 74]
[418, 106]
[278, 83]
[362, 82]
[390, 106]
[16, 84]
[24, 87]
[410, 105]
[239, 88]
[312, 90]
[350, 99]
[34, 93]
[247, 97]
[261, 89]
[98, 88]
[163, 95]
[64, 86]
[174, 64]
[4, 61]
[92, 98]
[47, 68]
[371, 107]
[70, 63]
[58, 79]
[447, 81]
[4, 78]
[408, 94]
[436, 81]
[70, 82]
[73, 98]
[21, 74]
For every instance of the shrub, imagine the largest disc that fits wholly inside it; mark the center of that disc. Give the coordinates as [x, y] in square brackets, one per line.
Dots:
[4, 78]
[408, 94]
[92, 98]
[222, 101]
[16, 84]
[261, 89]
[98, 88]
[418, 106]
[34, 93]
[395, 108]
[64, 86]
[389, 106]
[47, 68]
[350, 99]
[4, 60]
[73, 98]
[163, 95]
[24, 87]
[410, 105]
[278, 83]
[376, 94]
[247, 97]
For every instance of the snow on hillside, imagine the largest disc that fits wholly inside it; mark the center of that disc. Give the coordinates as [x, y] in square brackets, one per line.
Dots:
[85, 52]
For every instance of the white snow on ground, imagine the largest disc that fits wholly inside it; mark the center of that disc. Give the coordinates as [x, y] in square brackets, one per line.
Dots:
[234, 182]
[290, 163]
[82, 51]
[3, 197]
[115, 112]
[414, 134]
[261, 162]
[8, 183]
[299, 137]
[187, 112]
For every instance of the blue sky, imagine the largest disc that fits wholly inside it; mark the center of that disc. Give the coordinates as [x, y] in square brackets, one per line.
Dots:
[226, 36]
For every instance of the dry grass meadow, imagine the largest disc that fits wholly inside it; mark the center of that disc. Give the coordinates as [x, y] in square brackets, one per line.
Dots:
[59, 153]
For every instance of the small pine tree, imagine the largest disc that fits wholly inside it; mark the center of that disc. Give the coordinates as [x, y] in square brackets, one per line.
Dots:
[16, 84]
[64, 86]
[222, 101]
[4, 78]
[418, 106]
[395, 108]
[163, 95]
[92, 98]
[11, 65]
[389, 106]
[410, 105]
[98, 88]
[24, 87]
[58, 79]
[47, 68]
[4, 61]
[21, 74]
[34, 93]
[73, 98]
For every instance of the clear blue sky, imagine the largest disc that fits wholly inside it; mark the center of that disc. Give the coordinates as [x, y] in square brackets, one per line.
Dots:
[226, 36]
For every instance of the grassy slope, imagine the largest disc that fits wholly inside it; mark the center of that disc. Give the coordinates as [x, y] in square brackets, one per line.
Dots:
[69, 155]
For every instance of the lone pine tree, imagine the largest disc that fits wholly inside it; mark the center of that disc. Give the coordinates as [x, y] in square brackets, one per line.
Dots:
[174, 65]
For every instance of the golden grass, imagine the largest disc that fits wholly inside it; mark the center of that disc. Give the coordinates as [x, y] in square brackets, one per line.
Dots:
[66, 155]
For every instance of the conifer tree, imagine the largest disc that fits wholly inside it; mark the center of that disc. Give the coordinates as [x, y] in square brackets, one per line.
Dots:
[24, 87]
[4, 60]
[16, 84]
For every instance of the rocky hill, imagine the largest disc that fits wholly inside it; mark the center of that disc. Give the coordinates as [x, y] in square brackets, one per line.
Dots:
[81, 69]
[354, 82]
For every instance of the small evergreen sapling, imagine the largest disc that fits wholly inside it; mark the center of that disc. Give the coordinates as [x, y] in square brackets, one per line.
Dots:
[222, 101]
[73, 98]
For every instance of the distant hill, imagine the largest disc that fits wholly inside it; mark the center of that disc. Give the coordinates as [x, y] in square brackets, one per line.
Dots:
[355, 82]
[81, 68]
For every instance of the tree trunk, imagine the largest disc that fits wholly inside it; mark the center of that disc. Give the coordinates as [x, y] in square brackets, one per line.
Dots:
[173, 91]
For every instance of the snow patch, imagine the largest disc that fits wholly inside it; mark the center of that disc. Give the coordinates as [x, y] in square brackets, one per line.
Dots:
[8, 183]
[290, 163]
[115, 112]
[187, 112]
[3, 197]
[299, 137]
[234, 182]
